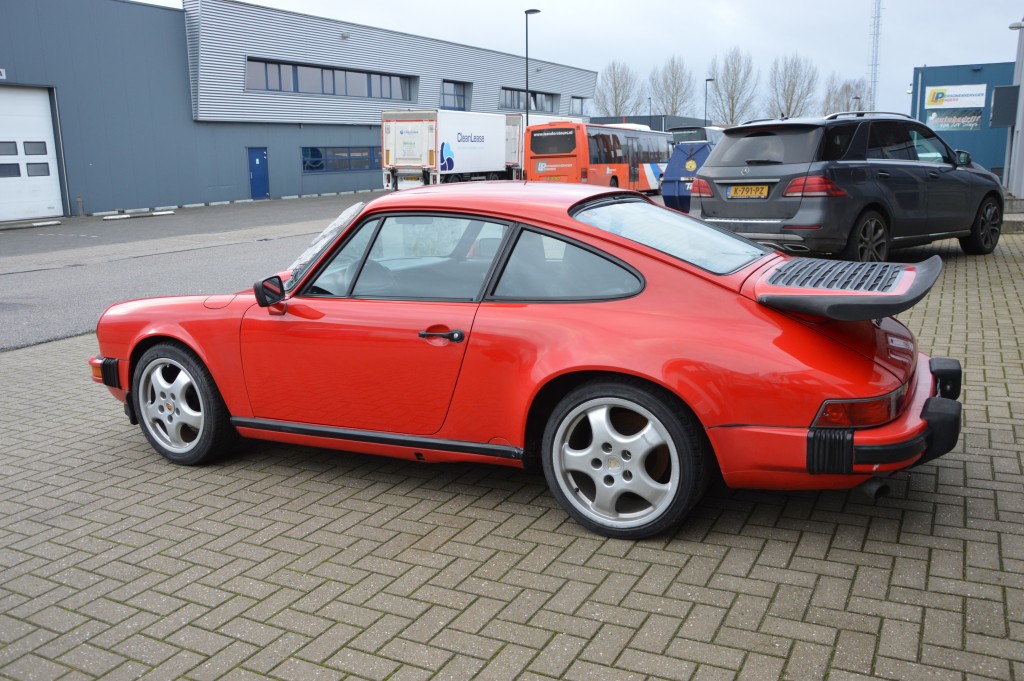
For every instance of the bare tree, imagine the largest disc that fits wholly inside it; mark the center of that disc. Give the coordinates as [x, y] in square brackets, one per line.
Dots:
[844, 95]
[792, 83]
[619, 91]
[671, 87]
[734, 89]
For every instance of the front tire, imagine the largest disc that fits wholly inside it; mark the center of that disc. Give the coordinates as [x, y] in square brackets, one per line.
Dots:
[178, 406]
[623, 459]
[988, 225]
[868, 240]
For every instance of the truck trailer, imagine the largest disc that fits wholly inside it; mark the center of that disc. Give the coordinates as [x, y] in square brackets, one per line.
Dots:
[431, 146]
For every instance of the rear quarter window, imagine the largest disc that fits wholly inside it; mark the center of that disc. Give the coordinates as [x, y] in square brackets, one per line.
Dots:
[766, 146]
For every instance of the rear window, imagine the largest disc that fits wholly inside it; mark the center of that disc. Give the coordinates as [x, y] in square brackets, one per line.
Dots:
[836, 141]
[766, 146]
[557, 141]
[675, 234]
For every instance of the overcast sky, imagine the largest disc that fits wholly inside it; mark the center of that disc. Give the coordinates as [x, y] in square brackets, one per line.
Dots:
[643, 33]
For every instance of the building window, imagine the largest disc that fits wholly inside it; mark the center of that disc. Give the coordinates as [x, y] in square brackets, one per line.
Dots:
[35, 148]
[539, 101]
[10, 170]
[8, 148]
[339, 159]
[453, 95]
[317, 80]
[576, 106]
[37, 169]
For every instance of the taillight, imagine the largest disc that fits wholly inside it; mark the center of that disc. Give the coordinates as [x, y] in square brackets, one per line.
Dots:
[813, 185]
[701, 189]
[867, 413]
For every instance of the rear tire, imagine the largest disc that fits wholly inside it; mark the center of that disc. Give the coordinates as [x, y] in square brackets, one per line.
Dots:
[868, 240]
[179, 408]
[624, 459]
[988, 225]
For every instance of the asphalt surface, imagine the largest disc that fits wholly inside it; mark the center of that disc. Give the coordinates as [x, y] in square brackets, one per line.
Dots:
[56, 281]
[291, 563]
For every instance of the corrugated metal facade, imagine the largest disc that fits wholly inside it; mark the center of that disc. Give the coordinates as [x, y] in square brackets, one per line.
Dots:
[223, 34]
[154, 110]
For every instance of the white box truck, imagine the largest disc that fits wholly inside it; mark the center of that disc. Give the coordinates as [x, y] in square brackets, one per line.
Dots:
[431, 146]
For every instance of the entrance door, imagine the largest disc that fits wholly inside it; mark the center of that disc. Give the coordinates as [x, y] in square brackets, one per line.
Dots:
[634, 164]
[259, 177]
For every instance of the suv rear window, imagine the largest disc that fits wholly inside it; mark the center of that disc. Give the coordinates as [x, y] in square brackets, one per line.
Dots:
[766, 146]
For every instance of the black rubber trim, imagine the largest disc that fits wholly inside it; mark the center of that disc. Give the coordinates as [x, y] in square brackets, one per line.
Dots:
[853, 307]
[408, 441]
[948, 374]
[110, 374]
[900, 451]
[829, 450]
[129, 410]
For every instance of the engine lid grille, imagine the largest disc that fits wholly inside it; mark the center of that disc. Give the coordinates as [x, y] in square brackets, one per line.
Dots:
[834, 275]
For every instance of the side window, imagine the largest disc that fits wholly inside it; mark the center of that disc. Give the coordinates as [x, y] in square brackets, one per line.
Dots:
[889, 140]
[544, 268]
[429, 257]
[927, 146]
[836, 141]
[336, 278]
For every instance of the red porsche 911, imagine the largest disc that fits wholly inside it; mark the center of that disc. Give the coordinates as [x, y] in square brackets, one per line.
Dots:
[631, 349]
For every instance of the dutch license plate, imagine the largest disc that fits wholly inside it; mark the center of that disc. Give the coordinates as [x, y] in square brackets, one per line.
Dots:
[747, 191]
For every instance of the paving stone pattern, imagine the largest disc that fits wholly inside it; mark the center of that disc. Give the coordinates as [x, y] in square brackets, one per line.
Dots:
[293, 563]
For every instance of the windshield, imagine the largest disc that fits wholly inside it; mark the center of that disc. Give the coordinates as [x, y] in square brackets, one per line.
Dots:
[673, 233]
[321, 243]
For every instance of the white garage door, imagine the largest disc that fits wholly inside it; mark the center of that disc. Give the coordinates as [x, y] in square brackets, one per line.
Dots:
[29, 183]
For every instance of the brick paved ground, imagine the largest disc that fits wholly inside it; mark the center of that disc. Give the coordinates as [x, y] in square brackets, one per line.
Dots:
[294, 563]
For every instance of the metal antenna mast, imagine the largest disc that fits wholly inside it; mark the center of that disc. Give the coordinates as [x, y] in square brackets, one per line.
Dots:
[876, 33]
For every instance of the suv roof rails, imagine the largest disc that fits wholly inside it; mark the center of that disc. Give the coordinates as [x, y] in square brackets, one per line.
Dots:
[764, 120]
[860, 114]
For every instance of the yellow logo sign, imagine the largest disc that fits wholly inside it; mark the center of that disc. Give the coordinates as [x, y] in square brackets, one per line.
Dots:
[691, 165]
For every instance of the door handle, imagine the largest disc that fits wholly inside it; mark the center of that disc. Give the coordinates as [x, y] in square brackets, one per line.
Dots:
[455, 335]
[882, 174]
[932, 174]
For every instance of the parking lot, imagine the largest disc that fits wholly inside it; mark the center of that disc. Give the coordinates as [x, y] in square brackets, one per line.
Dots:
[296, 563]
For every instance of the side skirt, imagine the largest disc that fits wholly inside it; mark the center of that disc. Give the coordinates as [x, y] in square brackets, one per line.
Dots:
[388, 439]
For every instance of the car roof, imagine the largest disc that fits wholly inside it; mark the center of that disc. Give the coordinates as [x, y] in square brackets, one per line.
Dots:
[818, 121]
[540, 200]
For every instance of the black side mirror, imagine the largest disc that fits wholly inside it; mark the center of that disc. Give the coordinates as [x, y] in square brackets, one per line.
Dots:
[269, 291]
[963, 158]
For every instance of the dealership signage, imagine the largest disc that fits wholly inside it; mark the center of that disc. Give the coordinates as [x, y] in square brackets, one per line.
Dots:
[3, 74]
[955, 107]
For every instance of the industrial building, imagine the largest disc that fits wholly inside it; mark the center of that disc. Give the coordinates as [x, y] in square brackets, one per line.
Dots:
[110, 105]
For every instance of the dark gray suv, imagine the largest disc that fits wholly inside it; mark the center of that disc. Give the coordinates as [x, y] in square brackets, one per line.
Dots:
[857, 184]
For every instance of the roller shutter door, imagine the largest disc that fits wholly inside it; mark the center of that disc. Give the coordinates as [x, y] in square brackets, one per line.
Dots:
[29, 181]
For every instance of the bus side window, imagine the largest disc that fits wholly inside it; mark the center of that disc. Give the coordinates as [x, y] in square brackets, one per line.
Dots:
[595, 156]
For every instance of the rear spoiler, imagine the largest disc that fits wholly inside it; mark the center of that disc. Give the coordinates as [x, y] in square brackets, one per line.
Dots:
[846, 291]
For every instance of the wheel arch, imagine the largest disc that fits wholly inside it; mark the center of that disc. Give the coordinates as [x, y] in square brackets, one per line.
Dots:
[557, 387]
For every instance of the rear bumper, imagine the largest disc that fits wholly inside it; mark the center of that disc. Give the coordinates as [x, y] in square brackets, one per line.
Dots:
[837, 458]
[818, 226]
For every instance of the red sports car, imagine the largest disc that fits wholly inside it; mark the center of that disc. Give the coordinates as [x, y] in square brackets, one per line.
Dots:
[631, 349]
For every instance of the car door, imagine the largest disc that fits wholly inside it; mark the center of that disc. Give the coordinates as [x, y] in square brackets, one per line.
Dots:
[900, 178]
[375, 340]
[947, 187]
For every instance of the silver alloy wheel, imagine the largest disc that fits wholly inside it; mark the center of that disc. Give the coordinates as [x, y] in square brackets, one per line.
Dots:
[616, 463]
[171, 406]
[989, 225]
[872, 242]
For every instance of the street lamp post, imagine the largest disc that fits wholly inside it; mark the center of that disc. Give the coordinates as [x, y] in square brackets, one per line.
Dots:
[706, 81]
[528, 13]
[856, 103]
[649, 114]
